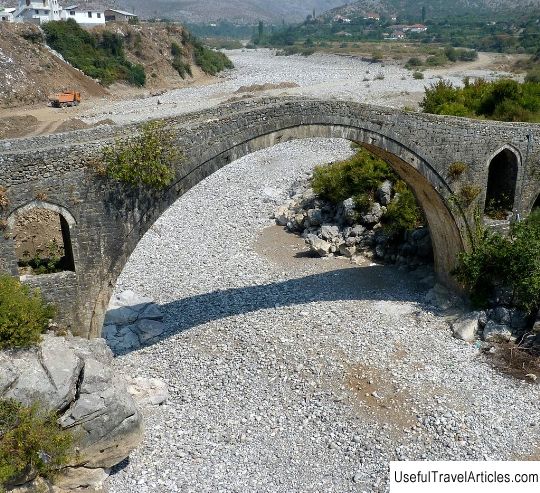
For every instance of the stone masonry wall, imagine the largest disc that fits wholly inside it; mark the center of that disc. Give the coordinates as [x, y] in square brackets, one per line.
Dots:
[110, 217]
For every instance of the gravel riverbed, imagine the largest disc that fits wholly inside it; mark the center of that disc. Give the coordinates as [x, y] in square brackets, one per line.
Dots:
[319, 75]
[289, 373]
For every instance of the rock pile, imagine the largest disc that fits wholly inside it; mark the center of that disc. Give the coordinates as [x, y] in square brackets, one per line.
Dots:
[73, 377]
[131, 322]
[499, 325]
[341, 230]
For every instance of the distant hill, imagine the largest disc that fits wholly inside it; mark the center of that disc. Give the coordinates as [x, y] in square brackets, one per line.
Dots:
[241, 11]
[434, 8]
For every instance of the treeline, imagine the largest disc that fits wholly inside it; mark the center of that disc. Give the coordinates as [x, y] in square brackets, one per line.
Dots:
[513, 32]
[503, 100]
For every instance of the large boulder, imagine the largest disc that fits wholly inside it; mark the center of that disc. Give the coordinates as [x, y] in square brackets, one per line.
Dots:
[73, 377]
[466, 326]
[497, 332]
[373, 215]
[143, 326]
[384, 193]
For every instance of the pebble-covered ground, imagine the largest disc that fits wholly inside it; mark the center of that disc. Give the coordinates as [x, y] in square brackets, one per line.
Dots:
[319, 75]
[289, 373]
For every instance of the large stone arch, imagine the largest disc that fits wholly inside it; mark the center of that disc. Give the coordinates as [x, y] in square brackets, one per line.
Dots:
[446, 223]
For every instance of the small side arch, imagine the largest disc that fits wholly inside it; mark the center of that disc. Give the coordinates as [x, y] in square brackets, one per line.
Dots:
[42, 234]
[503, 169]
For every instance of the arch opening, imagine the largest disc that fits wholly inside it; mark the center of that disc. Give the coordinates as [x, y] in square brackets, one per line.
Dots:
[536, 205]
[449, 233]
[501, 186]
[42, 241]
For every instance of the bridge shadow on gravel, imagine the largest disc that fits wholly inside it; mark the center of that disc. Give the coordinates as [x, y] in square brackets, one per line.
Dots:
[375, 283]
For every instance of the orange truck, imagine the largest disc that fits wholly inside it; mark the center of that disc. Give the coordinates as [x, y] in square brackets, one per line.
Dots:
[68, 98]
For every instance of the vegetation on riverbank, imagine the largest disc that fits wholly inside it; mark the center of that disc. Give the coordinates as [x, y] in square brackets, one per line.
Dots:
[359, 177]
[24, 316]
[31, 443]
[503, 100]
[100, 56]
[505, 267]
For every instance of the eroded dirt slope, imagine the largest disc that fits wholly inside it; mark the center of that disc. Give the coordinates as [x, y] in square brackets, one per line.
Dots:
[29, 71]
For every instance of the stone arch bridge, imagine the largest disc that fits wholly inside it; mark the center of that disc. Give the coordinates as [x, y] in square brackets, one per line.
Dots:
[102, 220]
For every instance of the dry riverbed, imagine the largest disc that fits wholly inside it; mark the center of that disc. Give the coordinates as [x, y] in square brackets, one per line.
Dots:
[293, 373]
[259, 72]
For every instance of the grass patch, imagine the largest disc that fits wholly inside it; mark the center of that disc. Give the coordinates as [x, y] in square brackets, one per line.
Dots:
[146, 159]
[24, 316]
[31, 443]
[100, 56]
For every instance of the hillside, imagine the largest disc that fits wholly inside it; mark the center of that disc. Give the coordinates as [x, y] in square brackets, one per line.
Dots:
[29, 72]
[242, 11]
[434, 8]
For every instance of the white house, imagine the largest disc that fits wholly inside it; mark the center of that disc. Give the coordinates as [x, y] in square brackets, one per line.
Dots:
[6, 14]
[114, 15]
[85, 15]
[37, 12]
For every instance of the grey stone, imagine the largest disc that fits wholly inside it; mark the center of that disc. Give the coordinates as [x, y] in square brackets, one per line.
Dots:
[329, 232]
[282, 215]
[466, 327]
[151, 312]
[109, 331]
[374, 215]
[384, 193]
[148, 391]
[357, 230]
[120, 315]
[148, 329]
[130, 299]
[349, 210]
[494, 332]
[78, 478]
[501, 315]
[315, 217]
[62, 366]
[347, 251]
[321, 247]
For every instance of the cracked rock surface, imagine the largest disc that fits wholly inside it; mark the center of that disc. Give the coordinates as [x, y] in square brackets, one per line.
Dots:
[73, 377]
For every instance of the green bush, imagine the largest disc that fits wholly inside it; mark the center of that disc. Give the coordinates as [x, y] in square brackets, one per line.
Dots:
[418, 75]
[147, 159]
[100, 56]
[402, 214]
[503, 100]
[510, 263]
[359, 177]
[183, 68]
[211, 62]
[23, 314]
[31, 442]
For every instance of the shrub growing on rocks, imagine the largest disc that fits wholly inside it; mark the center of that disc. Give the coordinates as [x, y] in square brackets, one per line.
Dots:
[146, 159]
[23, 314]
[359, 177]
[507, 268]
[31, 443]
